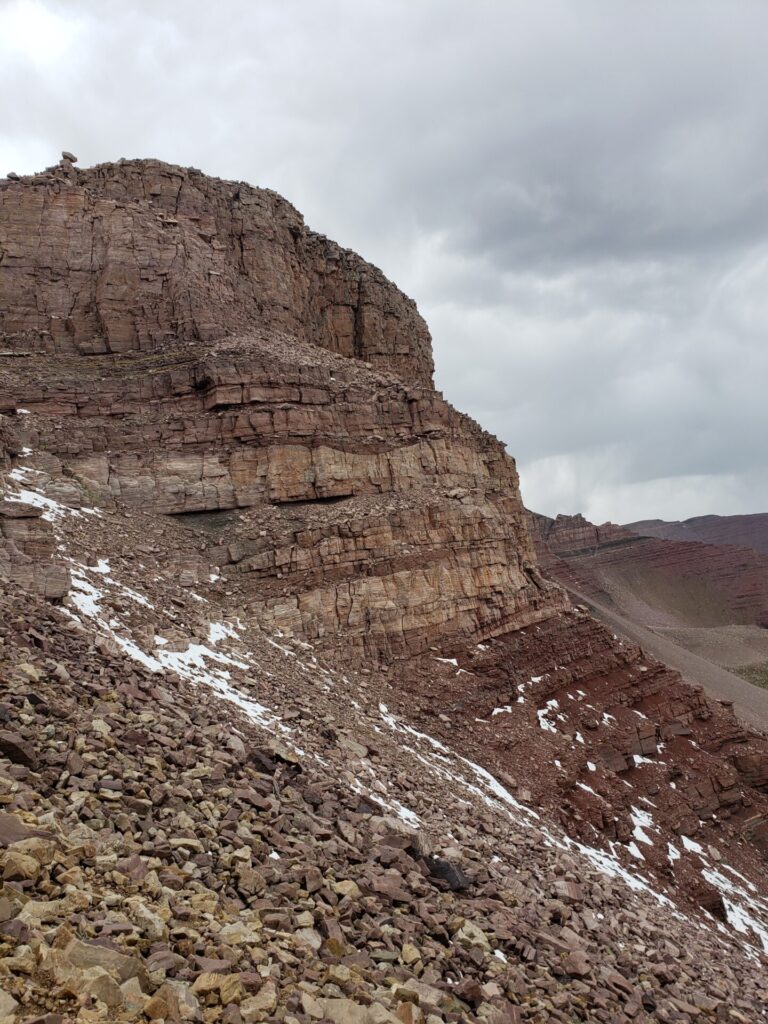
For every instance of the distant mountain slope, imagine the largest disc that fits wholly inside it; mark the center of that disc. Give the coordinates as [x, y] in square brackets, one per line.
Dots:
[742, 531]
[653, 581]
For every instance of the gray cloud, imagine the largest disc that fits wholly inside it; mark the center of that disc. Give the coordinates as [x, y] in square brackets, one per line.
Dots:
[575, 194]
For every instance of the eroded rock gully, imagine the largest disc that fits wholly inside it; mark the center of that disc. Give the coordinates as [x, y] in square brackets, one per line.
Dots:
[291, 726]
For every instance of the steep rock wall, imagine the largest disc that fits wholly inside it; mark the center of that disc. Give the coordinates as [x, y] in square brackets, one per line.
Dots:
[186, 346]
[140, 255]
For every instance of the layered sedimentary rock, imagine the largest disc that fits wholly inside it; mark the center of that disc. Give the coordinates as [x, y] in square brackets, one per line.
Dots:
[139, 255]
[741, 531]
[27, 547]
[228, 426]
[589, 726]
[186, 346]
[27, 542]
[658, 581]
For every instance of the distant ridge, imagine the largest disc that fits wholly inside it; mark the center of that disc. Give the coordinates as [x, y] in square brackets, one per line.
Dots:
[742, 531]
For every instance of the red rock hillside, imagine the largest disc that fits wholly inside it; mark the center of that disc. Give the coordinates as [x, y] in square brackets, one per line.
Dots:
[292, 726]
[679, 582]
[740, 531]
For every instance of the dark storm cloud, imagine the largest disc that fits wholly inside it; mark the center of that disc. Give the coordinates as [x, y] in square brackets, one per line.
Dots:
[575, 193]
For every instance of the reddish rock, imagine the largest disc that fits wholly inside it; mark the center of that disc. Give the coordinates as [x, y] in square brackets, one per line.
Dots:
[309, 682]
[663, 582]
[17, 749]
[749, 531]
[134, 255]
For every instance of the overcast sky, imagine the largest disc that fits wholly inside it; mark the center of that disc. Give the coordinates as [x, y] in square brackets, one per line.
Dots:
[575, 193]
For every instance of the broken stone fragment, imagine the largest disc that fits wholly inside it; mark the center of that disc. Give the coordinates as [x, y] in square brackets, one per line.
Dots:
[253, 1008]
[146, 918]
[99, 984]
[249, 880]
[20, 867]
[85, 955]
[13, 830]
[239, 933]
[43, 850]
[577, 963]
[346, 887]
[17, 749]
[38, 912]
[469, 934]
[450, 873]
[346, 1011]
[30, 671]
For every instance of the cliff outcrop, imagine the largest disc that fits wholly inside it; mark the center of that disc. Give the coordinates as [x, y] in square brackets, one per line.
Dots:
[187, 346]
[134, 256]
[278, 648]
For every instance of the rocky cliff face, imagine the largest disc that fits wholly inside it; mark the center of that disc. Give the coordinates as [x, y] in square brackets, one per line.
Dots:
[27, 542]
[187, 346]
[297, 652]
[134, 256]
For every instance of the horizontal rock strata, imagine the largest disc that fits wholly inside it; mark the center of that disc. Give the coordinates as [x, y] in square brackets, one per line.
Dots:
[749, 531]
[672, 581]
[302, 733]
[402, 519]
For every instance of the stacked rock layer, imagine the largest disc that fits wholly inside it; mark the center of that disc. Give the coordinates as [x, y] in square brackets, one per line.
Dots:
[187, 346]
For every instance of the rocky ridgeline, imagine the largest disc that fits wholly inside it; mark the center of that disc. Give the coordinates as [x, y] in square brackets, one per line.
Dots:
[291, 726]
[696, 583]
[749, 531]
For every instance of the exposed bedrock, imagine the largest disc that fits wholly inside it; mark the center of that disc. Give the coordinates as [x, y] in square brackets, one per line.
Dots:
[27, 541]
[184, 345]
[139, 255]
[250, 410]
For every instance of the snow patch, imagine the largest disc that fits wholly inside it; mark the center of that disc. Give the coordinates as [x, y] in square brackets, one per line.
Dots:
[408, 816]
[692, 846]
[544, 723]
[584, 786]
[52, 510]
[745, 913]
